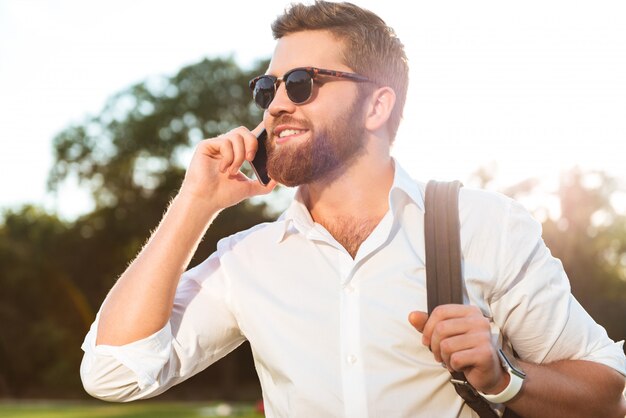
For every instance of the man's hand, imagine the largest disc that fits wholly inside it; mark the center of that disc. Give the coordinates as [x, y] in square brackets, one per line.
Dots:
[459, 337]
[141, 301]
[214, 175]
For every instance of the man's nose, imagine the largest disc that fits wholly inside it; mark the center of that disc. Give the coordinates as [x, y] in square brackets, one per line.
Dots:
[281, 103]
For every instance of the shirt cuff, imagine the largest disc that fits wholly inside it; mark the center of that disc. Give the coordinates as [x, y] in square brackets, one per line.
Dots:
[145, 357]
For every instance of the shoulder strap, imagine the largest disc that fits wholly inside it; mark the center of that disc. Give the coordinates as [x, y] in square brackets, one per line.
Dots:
[443, 244]
[444, 277]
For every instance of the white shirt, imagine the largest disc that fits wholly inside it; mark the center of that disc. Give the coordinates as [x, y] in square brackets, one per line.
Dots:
[330, 334]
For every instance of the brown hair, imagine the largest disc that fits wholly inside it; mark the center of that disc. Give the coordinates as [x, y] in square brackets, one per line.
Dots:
[371, 48]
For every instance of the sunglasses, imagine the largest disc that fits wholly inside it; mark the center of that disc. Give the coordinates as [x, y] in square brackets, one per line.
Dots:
[298, 83]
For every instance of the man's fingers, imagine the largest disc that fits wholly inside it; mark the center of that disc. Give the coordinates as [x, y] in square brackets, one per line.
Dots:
[256, 188]
[239, 154]
[443, 331]
[448, 347]
[460, 338]
[233, 148]
[444, 313]
[228, 155]
[418, 319]
[260, 189]
[252, 145]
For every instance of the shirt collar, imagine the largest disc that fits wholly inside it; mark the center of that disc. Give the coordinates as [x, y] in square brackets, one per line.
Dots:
[404, 185]
[298, 218]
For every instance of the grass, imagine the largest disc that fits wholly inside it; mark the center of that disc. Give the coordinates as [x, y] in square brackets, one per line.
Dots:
[133, 410]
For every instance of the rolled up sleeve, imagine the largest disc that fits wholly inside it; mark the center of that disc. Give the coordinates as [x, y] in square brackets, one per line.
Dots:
[533, 305]
[201, 330]
[124, 373]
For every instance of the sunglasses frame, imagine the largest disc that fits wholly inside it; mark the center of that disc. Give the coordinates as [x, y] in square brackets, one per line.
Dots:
[313, 72]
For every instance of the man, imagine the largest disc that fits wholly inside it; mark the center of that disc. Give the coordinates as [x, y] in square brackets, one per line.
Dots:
[323, 293]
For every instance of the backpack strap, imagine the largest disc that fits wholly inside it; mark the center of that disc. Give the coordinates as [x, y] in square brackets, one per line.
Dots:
[444, 277]
[443, 244]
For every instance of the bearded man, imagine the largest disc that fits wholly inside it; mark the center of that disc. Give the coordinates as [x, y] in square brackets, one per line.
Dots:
[323, 293]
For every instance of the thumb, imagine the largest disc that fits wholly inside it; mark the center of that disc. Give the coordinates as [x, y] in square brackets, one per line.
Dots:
[257, 189]
[418, 320]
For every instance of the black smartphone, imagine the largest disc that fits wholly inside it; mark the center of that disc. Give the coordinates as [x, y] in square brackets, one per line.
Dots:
[259, 163]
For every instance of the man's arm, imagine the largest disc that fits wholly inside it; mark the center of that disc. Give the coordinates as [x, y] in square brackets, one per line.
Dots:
[570, 388]
[459, 336]
[141, 301]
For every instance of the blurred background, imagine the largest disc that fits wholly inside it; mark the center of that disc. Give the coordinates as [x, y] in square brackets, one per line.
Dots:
[101, 104]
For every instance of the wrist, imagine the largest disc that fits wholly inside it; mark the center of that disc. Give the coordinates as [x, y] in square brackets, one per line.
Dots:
[195, 208]
[195, 200]
[515, 381]
[501, 385]
[513, 388]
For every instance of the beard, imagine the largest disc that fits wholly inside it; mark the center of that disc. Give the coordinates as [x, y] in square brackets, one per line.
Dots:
[324, 155]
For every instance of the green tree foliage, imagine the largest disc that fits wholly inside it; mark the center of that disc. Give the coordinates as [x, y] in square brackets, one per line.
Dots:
[39, 304]
[590, 239]
[135, 145]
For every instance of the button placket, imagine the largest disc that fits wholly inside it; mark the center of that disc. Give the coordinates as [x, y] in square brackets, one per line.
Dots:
[353, 376]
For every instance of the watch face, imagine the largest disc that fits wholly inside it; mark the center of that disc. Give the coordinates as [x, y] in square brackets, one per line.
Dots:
[508, 364]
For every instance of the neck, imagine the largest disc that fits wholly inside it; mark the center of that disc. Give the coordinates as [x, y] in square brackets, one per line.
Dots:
[360, 192]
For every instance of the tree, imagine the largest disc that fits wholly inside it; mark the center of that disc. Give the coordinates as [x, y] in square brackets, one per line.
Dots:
[41, 310]
[590, 239]
[137, 143]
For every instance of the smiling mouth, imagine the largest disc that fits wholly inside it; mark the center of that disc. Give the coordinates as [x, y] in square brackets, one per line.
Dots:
[289, 134]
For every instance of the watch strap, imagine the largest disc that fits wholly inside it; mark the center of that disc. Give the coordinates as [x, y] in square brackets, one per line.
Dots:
[512, 389]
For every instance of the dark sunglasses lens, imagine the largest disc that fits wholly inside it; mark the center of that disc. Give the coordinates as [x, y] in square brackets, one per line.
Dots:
[298, 86]
[264, 92]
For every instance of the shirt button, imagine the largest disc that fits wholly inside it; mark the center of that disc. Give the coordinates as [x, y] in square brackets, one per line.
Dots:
[351, 359]
[349, 288]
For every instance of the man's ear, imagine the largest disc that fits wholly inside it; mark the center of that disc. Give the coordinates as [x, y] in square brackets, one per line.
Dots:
[379, 109]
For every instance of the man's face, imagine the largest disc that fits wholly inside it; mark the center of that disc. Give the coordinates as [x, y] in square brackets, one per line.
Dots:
[316, 140]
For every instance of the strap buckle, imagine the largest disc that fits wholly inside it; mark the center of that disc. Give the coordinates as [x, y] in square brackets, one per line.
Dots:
[464, 385]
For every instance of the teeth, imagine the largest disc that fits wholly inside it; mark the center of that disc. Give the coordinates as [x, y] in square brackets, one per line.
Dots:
[288, 132]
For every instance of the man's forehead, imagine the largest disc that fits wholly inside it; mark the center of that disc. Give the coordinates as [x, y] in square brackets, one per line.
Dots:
[317, 48]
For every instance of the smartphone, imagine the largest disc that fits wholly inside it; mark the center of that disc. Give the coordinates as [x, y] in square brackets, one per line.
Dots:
[259, 163]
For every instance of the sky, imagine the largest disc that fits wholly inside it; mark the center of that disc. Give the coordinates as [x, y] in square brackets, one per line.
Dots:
[529, 89]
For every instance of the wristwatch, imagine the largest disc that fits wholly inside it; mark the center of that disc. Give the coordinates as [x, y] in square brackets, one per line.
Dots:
[515, 384]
